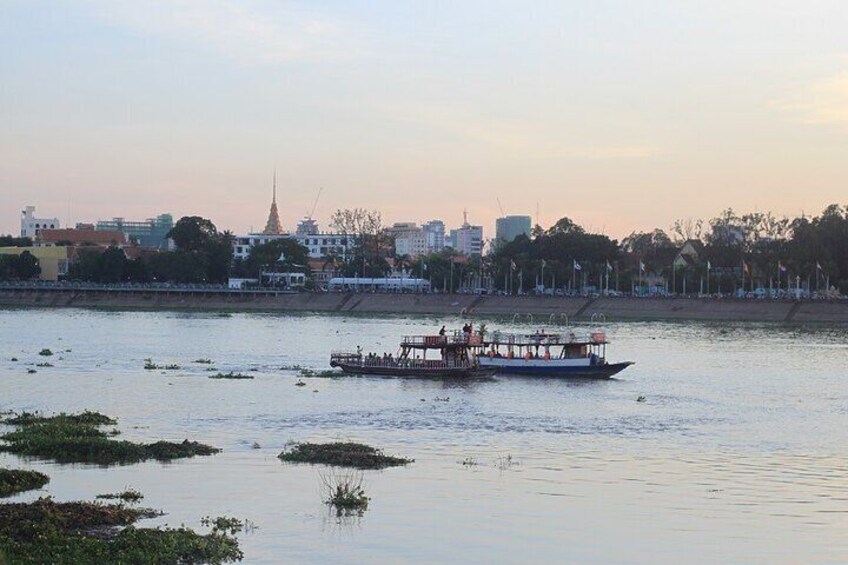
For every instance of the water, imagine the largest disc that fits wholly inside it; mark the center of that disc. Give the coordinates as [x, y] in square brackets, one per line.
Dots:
[738, 454]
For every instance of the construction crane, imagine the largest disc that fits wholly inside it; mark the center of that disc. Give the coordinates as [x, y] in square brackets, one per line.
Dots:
[501, 207]
[315, 204]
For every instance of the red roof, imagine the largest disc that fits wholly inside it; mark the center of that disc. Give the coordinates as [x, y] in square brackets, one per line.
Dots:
[83, 237]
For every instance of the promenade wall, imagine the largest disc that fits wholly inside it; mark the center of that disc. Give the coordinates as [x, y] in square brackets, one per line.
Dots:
[540, 308]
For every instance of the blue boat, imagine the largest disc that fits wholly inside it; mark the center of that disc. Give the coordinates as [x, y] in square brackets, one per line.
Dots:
[549, 355]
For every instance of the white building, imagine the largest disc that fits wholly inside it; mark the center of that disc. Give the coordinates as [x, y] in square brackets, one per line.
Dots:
[30, 225]
[434, 230]
[324, 244]
[467, 240]
[409, 239]
[318, 245]
[411, 244]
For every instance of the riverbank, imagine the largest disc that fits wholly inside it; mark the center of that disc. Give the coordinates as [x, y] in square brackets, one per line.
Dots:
[540, 308]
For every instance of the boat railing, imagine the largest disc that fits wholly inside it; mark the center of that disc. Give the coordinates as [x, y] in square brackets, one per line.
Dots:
[523, 340]
[439, 341]
[394, 362]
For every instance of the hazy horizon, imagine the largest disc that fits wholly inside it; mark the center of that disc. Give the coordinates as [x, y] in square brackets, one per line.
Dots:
[621, 117]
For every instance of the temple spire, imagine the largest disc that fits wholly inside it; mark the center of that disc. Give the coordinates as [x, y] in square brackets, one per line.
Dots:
[273, 226]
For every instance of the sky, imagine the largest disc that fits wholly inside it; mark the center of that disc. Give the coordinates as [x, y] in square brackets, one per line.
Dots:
[622, 115]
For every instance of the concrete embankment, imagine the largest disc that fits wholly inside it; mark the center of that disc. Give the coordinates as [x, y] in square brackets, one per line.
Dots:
[540, 308]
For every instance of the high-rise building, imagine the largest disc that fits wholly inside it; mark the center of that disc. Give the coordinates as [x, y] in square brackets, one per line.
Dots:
[409, 239]
[434, 231]
[30, 225]
[151, 233]
[468, 239]
[510, 227]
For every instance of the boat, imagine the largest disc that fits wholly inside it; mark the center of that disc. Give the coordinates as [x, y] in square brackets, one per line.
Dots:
[548, 354]
[454, 358]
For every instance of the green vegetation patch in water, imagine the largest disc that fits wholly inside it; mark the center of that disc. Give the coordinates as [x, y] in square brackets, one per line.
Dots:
[13, 481]
[342, 454]
[230, 375]
[327, 374]
[45, 531]
[76, 438]
[129, 496]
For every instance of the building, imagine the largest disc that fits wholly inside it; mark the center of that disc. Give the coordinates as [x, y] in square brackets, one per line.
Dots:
[327, 244]
[409, 239]
[434, 231]
[81, 237]
[243, 243]
[30, 225]
[52, 260]
[307, 226]
[151, 233]
[468, 239]
[318, 245]
[510, 227]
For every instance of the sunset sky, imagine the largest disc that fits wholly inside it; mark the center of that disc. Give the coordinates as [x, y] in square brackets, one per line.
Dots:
[622, 115]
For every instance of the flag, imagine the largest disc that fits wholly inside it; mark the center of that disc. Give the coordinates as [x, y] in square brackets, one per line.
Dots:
[423, 266]
[609, 267]
[745, 268]
[709, 265]
[544, 263]
[641, 266]
[512, 265]
[818, 266]
[781, 267]
[577, 266]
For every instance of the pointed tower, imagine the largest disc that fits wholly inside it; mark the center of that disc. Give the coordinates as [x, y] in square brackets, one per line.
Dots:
[273, 226]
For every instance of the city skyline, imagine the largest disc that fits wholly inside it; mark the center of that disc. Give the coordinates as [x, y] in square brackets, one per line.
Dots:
[621, 117]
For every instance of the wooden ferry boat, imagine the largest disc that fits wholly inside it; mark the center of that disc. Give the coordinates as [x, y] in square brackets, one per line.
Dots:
[548, 354]
[450, 356]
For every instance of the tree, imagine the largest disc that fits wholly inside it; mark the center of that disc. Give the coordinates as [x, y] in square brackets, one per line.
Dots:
[687, 229]
[113, 264]
[219, 257]
[19, 267]
[371, 244]
[11, 241]
[193, 233]
[284, 253]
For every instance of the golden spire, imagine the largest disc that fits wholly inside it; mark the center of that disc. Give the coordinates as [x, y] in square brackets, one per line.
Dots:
[273, 227]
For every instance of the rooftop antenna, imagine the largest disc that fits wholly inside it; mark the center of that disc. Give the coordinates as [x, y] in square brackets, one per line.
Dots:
[274, 197]
[537, 214]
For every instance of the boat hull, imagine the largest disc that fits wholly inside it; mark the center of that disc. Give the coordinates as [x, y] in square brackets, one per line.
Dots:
[452, 372]
[553, 368]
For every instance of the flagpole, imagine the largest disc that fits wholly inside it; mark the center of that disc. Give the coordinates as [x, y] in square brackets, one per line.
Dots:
[573, 275]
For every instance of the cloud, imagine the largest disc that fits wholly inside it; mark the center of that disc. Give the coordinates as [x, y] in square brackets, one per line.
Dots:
[824, 102]
[243, 31]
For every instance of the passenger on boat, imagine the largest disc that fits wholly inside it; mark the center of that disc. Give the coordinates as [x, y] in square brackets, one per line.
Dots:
[442, 331]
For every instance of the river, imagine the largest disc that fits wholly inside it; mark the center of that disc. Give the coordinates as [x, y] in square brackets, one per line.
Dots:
[737, 453]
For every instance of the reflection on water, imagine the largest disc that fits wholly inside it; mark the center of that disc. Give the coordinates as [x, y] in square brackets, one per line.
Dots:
[738, 453]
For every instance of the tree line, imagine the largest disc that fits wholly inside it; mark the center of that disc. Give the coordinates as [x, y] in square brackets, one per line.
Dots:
[752, 249]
